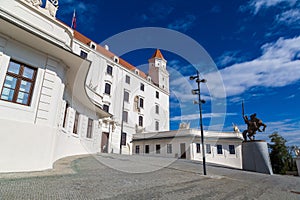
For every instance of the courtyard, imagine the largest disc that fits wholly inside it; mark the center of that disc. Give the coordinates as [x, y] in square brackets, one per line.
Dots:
[111, 176]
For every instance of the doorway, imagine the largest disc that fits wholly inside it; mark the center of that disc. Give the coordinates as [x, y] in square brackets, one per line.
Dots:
[104, 142]
[182, 151]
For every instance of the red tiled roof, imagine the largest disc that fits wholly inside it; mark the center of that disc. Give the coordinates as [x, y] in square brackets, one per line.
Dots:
[157, 54]
[107, 53]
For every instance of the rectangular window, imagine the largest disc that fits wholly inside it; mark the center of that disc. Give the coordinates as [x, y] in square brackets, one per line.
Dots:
[89, 129]
[156, 125]
[19, 83]
[157, 109]
[142, 87]
[137, 149]
[109, 70]
[141, 103]
[157, 94]
[219, 149]
[198, 148]
[231, 149]
[75, 127]
[169, 148]
[106, 108]
[126, 96]
[83, 54]
[147, 149]
[141, 121]
[107, 88]
[157, 148]
[208, 149]
[127, 79]
[125, 116]
[123, 138]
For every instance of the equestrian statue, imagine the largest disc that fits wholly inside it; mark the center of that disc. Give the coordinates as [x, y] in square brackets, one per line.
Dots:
[253, 125]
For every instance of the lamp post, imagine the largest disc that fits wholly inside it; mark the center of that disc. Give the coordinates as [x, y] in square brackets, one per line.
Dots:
[200, 102]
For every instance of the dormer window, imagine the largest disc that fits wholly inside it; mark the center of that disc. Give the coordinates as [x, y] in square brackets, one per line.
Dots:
[149, 78]
[93, 45]
[136, 71]
[116, 59]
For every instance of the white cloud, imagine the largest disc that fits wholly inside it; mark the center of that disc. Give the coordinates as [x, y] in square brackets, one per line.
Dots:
[229, 57]
[276, 67]
[258, 5]
[183, 24]
[289, 17]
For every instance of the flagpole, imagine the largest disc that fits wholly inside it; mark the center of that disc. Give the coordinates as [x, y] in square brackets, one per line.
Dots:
[73, 25]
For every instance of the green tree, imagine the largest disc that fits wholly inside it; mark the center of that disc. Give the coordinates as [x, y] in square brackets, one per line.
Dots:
[279, 154]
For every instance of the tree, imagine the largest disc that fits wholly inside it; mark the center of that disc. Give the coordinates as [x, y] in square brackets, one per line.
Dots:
[279, 154]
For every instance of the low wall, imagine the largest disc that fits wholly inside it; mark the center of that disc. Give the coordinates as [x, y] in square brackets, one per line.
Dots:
[32, 147]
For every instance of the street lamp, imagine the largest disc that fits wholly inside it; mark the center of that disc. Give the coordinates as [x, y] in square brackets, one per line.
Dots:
[200, 102]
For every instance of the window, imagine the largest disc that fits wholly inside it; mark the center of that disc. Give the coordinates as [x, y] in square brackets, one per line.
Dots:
[137, 149]
[64, 124]
[141, 121]
[219, 149]
[157, 95]
[107, 88]
[156, 125]
[106, 108]
[208, 149]
[231, 149]
[75, 127]
[123, 138]
[90, 128]
[147, 149]
[127, 79]
[125, 116]
[157, 148]
[157, 109]
[142, 87]
[109, 70]
[198, 148]
[141, 102]
[169, 148]
[19, 83]
[126, 96]
[83, 54]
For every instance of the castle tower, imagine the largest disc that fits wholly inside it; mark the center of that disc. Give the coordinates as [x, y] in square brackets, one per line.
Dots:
[158, 70]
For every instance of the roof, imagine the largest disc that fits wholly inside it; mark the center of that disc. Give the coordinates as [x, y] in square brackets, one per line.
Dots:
[108, 53]
[157, 54]
[191, 133]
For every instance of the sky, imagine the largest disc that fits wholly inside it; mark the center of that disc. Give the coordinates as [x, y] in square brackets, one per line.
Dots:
[254, 47]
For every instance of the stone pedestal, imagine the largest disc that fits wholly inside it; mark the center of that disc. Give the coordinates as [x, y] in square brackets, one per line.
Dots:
[256, 157]
[298, 164]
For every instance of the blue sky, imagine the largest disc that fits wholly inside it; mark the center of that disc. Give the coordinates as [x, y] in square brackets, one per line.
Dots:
[255, 45]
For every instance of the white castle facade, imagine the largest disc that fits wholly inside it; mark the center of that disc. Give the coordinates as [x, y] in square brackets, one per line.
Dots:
[62, 94]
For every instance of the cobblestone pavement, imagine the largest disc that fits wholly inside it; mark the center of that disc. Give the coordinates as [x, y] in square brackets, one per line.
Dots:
[108, 176]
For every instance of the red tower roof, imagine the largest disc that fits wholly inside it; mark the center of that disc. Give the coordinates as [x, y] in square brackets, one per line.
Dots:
[157, 54]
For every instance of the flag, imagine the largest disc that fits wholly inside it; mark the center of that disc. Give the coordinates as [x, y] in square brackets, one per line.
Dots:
[74, 21]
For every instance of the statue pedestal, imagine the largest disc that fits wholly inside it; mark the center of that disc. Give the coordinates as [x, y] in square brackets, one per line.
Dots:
[256, 157]
[298, 164]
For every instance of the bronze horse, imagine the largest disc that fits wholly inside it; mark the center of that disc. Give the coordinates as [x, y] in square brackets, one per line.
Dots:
[253, 125]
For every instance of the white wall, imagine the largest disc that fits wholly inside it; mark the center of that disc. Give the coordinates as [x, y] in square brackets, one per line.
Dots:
[231, 160]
